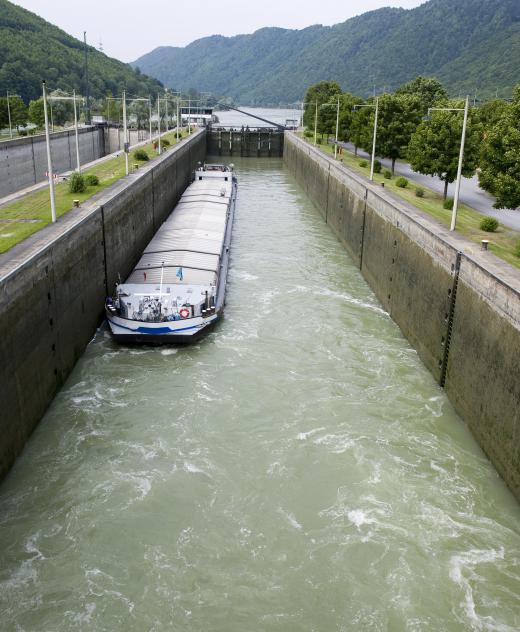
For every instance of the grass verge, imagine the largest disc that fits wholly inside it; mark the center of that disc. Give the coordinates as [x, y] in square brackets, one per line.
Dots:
[32, 212]
[502, 243]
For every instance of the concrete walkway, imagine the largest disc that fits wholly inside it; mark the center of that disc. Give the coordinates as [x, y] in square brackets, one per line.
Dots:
[470, 192]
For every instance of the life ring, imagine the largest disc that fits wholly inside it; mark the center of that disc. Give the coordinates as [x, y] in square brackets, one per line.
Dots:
[184, 312]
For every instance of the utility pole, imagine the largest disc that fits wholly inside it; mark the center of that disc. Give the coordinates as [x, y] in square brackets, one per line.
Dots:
[166, 106]
[316, 125]
[461, 156]
[189, 115]
[178, 121]
[87, 93]
[77, 132]
[49, 158]
[159, 121]
[459, 170]
[374, 141]
[150, 115]
[125, 132]
[9, 115]
[337, 132]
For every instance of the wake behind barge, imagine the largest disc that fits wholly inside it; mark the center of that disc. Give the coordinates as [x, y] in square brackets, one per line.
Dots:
[177, 290]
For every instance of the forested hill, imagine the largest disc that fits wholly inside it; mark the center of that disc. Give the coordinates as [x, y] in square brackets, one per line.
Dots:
[31, 49]
[470, 45]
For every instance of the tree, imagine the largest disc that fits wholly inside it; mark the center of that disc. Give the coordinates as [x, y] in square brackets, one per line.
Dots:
[347, 115]
[62, 111]
[4, 116]
[18, 112]
[35, 112]
[361, 128]
[399, 116]
[327, 114]
[320, 93]
[435, 146]
[428, 89]
[500, 164]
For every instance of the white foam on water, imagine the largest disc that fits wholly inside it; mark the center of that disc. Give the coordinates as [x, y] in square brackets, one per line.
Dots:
[167, 352]
[358, 518]
[466, 563]
[337, 444]
[291, 519]
[193, 469]
[244, 276]
[303, 436]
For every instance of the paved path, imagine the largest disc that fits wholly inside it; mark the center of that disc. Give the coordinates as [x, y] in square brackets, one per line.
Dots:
[470, 192]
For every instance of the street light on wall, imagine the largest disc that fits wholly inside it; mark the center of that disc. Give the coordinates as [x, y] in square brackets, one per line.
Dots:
[465, 109]
[337, 132]
[49, 157]
[376, 106]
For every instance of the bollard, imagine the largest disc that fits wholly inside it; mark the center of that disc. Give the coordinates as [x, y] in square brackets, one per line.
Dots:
[76, 203]
[485, 244]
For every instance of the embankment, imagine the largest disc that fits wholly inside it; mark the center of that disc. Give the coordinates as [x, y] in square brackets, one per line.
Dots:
[53, 285]
[458, 306]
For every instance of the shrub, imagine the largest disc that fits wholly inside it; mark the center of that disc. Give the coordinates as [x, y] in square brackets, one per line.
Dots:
[91, 180]
[401, 182]
[165, 142]
[377, 166]
[319, 141]
[489, 224]
[307, 134]
[448, 203]
[516, 250]
[22, 132]
[77, 183]
[363, 163]
[387, 174]
[140, 154]
[419, 192]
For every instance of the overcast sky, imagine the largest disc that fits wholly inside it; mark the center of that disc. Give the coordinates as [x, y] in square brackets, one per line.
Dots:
[128, 29]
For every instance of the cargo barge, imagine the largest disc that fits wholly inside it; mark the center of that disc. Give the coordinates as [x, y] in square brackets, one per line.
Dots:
[177, 290]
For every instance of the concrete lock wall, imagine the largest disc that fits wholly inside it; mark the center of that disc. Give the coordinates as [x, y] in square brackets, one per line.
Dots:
[458, 306]
[114, 138]
[23, 161]
[53, 285]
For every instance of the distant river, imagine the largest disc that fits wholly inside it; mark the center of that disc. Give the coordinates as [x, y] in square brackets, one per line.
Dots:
[298, 470]
[230, 118]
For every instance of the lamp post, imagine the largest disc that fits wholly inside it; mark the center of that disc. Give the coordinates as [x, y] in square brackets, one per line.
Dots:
[465, 109]
[374, 139]
[125, 133]
[49, 158]
[150, 116]
[316, 125]
[166, 106]
[159, 121]
[337, 132]
[9, 115]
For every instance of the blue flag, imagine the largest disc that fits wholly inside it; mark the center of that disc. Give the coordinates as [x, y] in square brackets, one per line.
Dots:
[179, 274]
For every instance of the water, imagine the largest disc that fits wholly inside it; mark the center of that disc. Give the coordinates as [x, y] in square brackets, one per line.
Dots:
[297, 470]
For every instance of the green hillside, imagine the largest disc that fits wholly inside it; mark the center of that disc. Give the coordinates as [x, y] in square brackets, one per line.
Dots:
[31, 49]
[470, 45]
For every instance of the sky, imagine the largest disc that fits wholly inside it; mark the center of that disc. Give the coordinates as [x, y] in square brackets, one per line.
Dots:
[129, 29]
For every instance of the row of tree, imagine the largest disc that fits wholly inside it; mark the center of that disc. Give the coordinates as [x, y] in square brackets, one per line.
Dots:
[430, 143]
[111, 108]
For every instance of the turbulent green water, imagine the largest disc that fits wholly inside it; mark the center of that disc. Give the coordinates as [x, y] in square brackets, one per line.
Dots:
[297, 470]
